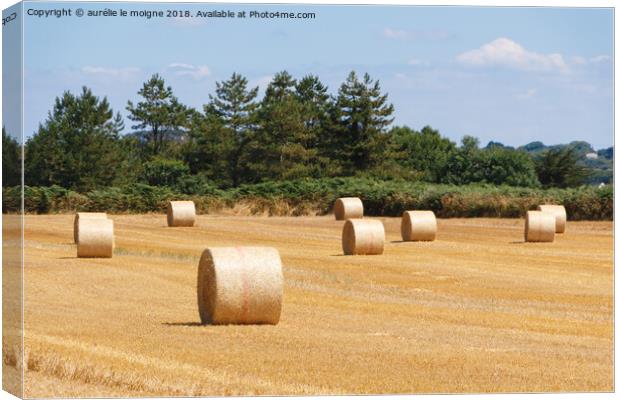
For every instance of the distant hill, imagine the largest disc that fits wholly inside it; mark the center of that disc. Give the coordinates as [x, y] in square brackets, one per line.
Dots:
[582, 147]
[599, 162]
[493, 144]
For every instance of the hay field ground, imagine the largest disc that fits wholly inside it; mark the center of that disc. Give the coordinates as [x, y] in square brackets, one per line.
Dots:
[478, 310]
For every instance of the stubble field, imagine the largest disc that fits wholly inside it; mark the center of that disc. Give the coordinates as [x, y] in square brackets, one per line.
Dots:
[476, 311]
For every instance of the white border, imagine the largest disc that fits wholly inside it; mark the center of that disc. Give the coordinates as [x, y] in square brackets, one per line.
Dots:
[484, 3]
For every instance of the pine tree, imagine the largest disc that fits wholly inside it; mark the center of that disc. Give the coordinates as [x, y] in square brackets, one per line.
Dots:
[317, 110]
[235, 104]
[279, 121]
[78, 145]
[210, 148]
[362, 115]
[313, 95]
[160, 113]
[220, 136]
[285, 144]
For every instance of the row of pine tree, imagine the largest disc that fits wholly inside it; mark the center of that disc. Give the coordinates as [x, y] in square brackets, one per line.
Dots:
[298, 129]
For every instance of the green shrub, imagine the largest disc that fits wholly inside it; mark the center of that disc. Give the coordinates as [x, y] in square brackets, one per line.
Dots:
[309, 196]
[164, 172]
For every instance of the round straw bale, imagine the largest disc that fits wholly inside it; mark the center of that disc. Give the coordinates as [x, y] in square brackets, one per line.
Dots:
[560, 215]
[363, 236]
[96, 238]
[76, 229]
[181, 213]
[348, 207]
[240, 285]
[539, 226]
[418, 225]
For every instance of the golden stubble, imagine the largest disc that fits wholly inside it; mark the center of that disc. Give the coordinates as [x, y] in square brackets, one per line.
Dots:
[478, 310]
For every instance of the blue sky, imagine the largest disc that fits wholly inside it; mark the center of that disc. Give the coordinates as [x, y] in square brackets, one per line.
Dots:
[512, 75]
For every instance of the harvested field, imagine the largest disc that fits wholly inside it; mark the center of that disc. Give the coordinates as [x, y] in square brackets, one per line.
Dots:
[478, 310]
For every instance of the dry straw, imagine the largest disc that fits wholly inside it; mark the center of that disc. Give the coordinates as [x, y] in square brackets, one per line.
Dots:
[348, 207]
[96, 238]
[240, 285]
[363, 236]
[181, 213]
[76, 220]
[539, 226]
[418, 226]
[559, 212]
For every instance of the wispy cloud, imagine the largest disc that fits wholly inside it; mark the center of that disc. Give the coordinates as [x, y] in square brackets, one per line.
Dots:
[413, 34]
[117, 73]
[599, 59]
[510, 54]
[528, 94]
[180, 65]
[194, 71]
[578, 60]
[417, 62]
[395, 33]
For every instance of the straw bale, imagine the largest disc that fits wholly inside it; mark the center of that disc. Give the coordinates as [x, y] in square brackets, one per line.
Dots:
[560, 215]
[76, 230]
[539, 226]
[96, 238]
[363, 236]
[240, 285]
[181, 213]
[348, 207]
[418, 226]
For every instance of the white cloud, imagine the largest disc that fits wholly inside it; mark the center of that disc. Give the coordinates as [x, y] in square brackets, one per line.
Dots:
[510, 54]
[599, 59]
[578, 60]
[119, 73]
[417, 62]
[395, 33]
[528, 94]
[181, 65]
[194, 71]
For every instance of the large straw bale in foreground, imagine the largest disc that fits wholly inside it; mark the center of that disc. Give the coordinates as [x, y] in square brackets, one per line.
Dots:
[96, 238]
[240, 285]
[76, 220]
[560, 215]
[348, 207]
[181, 213]
[418, 226]
[539, 226]
[363, 236]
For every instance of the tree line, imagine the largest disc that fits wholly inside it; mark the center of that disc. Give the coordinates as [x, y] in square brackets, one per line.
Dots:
[296, 130]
